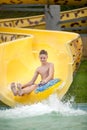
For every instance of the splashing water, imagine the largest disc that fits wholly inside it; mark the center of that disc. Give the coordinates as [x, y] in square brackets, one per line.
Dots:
[48, 106]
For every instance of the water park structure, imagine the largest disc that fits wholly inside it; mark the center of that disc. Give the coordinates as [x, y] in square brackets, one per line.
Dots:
[20, 46]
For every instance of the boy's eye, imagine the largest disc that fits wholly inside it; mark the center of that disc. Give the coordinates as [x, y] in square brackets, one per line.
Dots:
[42, 58]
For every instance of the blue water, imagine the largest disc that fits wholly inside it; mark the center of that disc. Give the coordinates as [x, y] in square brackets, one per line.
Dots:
[50, 114]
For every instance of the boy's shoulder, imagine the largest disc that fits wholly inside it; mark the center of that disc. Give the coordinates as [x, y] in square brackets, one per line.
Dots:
[38, 68]
[50, 63]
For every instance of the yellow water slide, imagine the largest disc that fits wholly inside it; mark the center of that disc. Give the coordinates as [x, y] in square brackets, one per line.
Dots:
[19, 50]
[59, 2]
[72, 20]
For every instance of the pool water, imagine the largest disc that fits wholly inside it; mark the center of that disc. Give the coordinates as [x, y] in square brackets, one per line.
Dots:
[50, 114]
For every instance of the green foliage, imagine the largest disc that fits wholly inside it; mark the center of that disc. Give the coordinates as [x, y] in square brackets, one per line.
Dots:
[16, 14]
[66, 8]
[78, 88]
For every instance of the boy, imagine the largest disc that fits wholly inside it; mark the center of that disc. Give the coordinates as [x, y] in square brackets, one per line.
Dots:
[46, 71]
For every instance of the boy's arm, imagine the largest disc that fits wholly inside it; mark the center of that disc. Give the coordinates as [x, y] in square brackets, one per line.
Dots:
[51, 74]
[32, 81]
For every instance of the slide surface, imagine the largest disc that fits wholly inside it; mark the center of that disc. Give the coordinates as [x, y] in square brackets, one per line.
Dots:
[19, 51]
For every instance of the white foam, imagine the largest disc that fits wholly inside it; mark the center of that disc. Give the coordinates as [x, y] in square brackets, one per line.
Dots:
[47, 106]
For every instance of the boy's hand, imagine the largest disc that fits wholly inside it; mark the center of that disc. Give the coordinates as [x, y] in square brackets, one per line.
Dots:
[43, 82]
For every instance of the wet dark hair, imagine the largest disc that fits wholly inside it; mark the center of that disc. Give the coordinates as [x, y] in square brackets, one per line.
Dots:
[43, 52]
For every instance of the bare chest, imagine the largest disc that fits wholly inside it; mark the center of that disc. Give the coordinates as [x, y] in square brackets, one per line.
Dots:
[44, 70]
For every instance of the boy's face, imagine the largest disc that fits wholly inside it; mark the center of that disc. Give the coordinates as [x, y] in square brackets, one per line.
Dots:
[43, 58]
